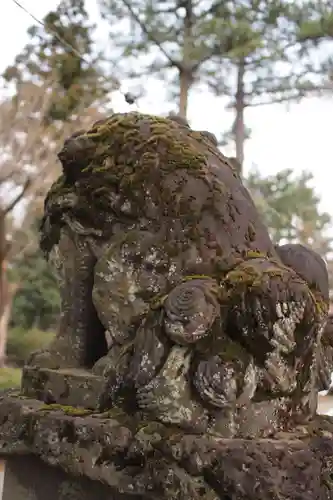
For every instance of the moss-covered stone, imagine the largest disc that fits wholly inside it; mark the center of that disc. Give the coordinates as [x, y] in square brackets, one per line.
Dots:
[159, 461]
[160, 245]
[67, 410]
[133, 165]
[68, 388]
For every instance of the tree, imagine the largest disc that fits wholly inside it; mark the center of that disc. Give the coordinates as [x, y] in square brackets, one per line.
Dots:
[37, 301]
[290, 208]
[275, 63]
[255, 44]
[163, 39]
[62, 51]
[23, 151]
[184, 43]
[316, 31]
[247, 51]
[58, 86]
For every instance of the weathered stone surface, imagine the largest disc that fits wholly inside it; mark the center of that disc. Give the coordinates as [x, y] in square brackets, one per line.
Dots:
[199, 340]
[29, 478]
[158, 243]
[313, 270]
[71, 387]
[325, 356]
[156, 461]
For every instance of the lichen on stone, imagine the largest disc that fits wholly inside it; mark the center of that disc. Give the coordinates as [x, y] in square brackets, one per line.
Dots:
[160, 245]
[66, 409]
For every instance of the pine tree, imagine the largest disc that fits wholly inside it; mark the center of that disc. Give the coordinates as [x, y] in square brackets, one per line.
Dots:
[274, 64]
[173, 40]
[290, 209]
[251, 52]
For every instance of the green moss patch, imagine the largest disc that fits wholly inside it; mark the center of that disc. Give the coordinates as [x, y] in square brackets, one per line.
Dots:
[10, 378]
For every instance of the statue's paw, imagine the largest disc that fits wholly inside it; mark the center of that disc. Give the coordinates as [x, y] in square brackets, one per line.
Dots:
[149, 351]
[224, 383]
[171, 403]
[216, 382]
[47, 358]
[164, 399]
[268, 301]
[114, 368]
[277, 323]
[168, 396]
[287, 317]
[190, 310]
[167, 389]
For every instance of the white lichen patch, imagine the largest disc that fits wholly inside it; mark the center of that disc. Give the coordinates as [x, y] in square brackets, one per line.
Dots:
[172, 270]
[152, 257]
[56, 261]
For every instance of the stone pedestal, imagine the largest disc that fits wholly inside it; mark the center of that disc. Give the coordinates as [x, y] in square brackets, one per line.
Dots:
[69, 387]
[62, 452]
[29, 478]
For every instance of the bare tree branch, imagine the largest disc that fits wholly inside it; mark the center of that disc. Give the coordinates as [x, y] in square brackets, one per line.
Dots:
[150, 35]
[18, 198]
[28, 160]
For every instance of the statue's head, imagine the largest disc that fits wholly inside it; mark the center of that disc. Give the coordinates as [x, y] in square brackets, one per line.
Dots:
[134, 171]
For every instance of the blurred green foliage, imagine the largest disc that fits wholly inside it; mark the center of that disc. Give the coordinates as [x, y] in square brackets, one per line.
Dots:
[291, 210]
[37, 301]
[10, 378]
[21, 343]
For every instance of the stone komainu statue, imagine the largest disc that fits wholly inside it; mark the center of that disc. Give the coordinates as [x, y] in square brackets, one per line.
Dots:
[160, 249]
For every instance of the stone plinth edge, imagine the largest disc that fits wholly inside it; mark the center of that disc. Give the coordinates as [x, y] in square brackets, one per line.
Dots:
[149, 459]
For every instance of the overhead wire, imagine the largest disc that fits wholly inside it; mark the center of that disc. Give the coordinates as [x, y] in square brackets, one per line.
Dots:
[128, 96]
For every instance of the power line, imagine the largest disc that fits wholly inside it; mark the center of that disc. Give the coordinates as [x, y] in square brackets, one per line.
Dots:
[61, 40]
[129, 98]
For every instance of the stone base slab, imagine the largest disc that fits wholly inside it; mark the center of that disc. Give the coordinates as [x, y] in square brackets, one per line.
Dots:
[70, 387]
[148, 460]
[29, 478]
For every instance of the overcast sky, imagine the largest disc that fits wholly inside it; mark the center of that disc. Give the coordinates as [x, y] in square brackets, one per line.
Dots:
[300, 138]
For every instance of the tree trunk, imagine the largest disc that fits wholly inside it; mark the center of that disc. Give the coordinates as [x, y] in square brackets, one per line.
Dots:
[239, 125]
[186, 69]
[7, 290]
[3, 336]
[4, 321]
[183, 94]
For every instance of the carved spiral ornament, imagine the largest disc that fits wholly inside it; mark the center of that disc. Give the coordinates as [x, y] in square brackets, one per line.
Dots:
[216, 382]
[190, 310]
